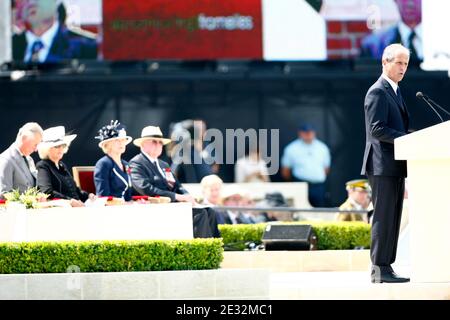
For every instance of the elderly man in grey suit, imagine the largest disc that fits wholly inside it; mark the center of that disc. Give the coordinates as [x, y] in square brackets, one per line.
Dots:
[17, 170]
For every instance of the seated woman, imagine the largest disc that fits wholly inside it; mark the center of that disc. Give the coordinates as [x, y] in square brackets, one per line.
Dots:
[251, 167]
[211, 191]
[53, 177]
[111, 172]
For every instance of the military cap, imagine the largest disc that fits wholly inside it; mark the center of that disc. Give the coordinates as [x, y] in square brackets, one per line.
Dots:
[358, 184]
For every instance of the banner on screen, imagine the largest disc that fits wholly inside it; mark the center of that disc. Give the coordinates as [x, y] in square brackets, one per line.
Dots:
[49, 31]
[179, 29]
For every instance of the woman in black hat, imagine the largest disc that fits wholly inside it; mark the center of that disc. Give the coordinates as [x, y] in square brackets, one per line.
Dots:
[111, 174]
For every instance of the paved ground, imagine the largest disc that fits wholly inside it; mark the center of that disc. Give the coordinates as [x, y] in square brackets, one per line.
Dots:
[350, 285]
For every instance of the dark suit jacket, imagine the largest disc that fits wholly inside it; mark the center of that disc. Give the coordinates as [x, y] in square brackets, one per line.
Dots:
[147, 180]
[373, 44]
[386, 119]
[192, 172]
[58, 183]
[110, 180]
[67, 44]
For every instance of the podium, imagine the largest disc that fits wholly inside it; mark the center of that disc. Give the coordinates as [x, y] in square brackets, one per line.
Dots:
[428, 160]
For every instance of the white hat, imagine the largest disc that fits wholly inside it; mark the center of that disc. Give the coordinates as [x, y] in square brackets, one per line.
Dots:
[151, 133]
[56, 136]
[113, 131]
[234, 191]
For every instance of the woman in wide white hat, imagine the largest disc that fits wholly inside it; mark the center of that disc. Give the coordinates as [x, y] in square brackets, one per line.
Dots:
[111, 174]
[53, 176]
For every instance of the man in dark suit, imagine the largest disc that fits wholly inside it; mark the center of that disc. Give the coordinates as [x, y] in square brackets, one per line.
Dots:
[46, 38]
[407, 31]
[386, 118]
[152, 177]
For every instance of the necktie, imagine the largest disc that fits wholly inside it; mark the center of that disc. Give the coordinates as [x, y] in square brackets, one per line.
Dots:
[156, 164]
[35, 48]
[399, 97]
[28, 166]
[26, 161]
[413, 52]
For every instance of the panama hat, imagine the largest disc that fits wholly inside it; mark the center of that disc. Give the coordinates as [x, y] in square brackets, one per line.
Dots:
[55, 136]
[114, 130]
[151, 133]
[230, 191]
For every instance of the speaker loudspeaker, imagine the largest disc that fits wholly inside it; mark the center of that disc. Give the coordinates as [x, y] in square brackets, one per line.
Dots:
[289, 237]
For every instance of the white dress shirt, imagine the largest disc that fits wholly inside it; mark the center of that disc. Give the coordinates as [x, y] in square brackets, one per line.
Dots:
[405, 32]
[156, 162]
[46, 39]
[392, 83]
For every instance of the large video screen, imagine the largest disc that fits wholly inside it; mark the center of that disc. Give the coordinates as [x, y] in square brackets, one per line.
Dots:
[46, 31]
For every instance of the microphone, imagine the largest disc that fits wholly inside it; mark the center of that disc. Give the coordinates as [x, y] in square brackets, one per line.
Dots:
[420, 95]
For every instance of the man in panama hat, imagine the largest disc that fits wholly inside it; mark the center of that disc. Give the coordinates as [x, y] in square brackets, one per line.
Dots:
[152, 177]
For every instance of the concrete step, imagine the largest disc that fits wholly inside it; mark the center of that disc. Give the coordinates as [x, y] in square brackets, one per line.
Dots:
[194, 284]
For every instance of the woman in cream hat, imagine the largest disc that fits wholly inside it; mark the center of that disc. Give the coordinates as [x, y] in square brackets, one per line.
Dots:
[53, 177]
[111, 174]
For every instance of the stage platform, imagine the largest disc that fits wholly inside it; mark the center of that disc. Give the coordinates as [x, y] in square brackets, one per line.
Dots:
[222, 284]
[331, 275]
[351, 285]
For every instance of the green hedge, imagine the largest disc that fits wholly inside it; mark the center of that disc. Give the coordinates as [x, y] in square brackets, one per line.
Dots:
[110, 256]
[235, 236]
[330, 235]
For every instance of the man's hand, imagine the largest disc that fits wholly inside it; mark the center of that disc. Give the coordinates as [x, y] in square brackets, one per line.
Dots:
[76, 203]
[185, 198]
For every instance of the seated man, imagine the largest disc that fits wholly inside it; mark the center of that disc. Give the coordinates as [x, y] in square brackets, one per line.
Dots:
[358, 199]
[152, 177]
[17, 168]
[235, 197]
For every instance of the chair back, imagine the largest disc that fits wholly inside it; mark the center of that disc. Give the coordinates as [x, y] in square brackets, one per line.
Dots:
[84, 178]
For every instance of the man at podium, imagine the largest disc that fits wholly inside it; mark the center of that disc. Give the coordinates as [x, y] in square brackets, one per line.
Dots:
[386, 118]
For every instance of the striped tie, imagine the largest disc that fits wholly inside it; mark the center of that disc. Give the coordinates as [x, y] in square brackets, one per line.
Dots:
[35, 48]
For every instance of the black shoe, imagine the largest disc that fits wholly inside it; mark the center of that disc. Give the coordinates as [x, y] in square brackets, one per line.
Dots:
[388, 277]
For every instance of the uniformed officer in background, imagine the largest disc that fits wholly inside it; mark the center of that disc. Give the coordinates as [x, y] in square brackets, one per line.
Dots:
[359, 198]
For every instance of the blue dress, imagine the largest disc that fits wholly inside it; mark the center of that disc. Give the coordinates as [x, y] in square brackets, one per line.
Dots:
[110, 180]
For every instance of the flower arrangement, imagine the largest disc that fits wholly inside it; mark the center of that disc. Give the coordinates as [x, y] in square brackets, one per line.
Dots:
[29, 198]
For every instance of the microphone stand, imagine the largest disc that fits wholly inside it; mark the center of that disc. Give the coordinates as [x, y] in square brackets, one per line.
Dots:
[431, 106]
[442, 109]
